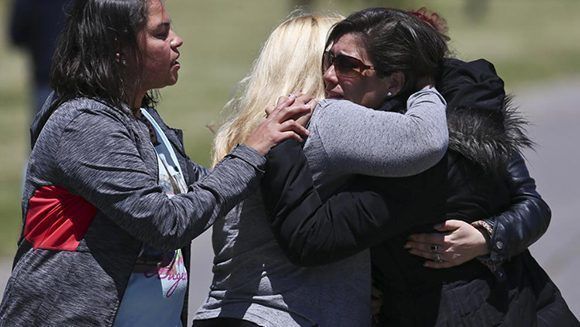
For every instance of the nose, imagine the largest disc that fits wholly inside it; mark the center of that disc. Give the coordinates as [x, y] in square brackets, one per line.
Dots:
[330, 78]
[177, 41]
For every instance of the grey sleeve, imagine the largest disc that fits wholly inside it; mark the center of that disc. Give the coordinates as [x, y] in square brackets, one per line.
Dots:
[99, 161]
[358, 140]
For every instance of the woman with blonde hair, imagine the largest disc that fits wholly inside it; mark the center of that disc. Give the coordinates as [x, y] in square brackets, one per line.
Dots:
[254, 282]
[276, 74]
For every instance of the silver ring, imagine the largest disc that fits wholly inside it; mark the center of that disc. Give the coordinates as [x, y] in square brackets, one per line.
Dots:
[434, 247]
[438, 258]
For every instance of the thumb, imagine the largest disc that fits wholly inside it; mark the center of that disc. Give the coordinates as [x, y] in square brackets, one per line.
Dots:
[448, 225]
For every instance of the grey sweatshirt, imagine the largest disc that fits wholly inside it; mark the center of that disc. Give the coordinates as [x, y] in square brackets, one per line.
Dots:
[254, 280]
[91, 200]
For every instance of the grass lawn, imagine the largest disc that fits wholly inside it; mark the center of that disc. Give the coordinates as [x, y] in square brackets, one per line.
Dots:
[527, 40]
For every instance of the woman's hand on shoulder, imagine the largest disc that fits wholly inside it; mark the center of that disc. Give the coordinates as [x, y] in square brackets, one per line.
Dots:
[454, 243]
[284, 121]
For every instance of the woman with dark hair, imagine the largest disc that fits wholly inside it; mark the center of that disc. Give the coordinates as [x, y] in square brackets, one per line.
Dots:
[482, 176]
[111, 200]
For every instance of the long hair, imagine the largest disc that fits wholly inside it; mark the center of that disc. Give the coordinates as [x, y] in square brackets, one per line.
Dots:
[87, 61]
[289, 61]
[397, 40]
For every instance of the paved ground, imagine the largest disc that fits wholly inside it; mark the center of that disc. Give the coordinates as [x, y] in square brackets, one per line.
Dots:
[553, 109]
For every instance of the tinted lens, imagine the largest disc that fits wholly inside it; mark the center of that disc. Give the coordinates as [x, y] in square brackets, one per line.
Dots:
[348, 66]
[327, 60]
[343, 65]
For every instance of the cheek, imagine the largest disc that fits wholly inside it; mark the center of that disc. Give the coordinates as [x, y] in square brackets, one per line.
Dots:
[354, 90]
[368, 94]
[155, 63]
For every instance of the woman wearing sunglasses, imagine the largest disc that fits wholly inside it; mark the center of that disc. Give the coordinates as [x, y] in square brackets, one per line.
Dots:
[482, 177]
[254, 282]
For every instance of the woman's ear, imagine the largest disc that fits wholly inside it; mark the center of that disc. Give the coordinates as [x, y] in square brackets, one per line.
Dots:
[396, 81]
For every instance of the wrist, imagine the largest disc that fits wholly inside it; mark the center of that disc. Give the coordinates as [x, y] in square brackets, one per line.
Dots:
[258, 145]
[485, 229]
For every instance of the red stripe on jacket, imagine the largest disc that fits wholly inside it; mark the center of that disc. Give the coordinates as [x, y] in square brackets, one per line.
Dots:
[57, 219]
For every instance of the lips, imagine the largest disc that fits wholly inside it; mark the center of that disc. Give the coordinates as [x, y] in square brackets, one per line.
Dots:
[175, 62]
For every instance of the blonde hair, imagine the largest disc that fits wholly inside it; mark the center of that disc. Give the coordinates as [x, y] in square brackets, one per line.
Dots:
[290, 61]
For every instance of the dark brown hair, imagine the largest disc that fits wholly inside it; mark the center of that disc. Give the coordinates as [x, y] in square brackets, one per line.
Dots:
[86, 61]
[396, 40]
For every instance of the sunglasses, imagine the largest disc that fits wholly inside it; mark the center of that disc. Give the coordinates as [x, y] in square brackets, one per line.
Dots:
[344, 66]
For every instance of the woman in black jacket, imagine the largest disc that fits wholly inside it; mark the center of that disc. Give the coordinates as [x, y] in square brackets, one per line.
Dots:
[483, 176]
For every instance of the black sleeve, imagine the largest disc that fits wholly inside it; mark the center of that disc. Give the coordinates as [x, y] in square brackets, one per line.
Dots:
[310, 231]
[525, 221]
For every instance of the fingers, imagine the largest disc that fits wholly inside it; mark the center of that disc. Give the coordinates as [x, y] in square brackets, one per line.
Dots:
[426, 247]
[289, 129]
[429, 255]
[293, 111]
[291, 125]
[448, 225]
[436, 260]
[281, 122]
[435, 248]
[292, 106]
[289, 135]
[431, 238]
[304, 98]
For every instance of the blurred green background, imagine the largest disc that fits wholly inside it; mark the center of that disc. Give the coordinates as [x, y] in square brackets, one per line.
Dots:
[527, 40]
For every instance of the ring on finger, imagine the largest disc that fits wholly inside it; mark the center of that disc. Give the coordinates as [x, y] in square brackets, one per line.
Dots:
[434, 247]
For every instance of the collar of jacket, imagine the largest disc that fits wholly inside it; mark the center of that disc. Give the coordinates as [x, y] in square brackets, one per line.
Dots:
[484, 126]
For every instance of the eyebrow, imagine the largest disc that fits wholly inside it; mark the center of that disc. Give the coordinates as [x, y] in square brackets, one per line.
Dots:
[161, 27]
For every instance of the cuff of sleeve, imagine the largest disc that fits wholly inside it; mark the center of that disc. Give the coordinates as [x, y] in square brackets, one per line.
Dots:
[250, 156]
[487, 230]
[497, 246]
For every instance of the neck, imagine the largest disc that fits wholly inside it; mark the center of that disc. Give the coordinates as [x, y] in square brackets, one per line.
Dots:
[135, 99]
[138, 100]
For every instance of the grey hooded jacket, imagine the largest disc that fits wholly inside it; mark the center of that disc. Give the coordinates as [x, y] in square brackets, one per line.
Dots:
[91, 200]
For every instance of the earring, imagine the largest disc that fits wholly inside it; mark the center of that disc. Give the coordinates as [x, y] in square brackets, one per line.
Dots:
[120, 60]
[389, 94]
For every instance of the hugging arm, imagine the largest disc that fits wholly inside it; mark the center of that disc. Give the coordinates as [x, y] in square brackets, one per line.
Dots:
[524, 222]
[310, 231]
[357, 140]
[495, 239]
[353, 139]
